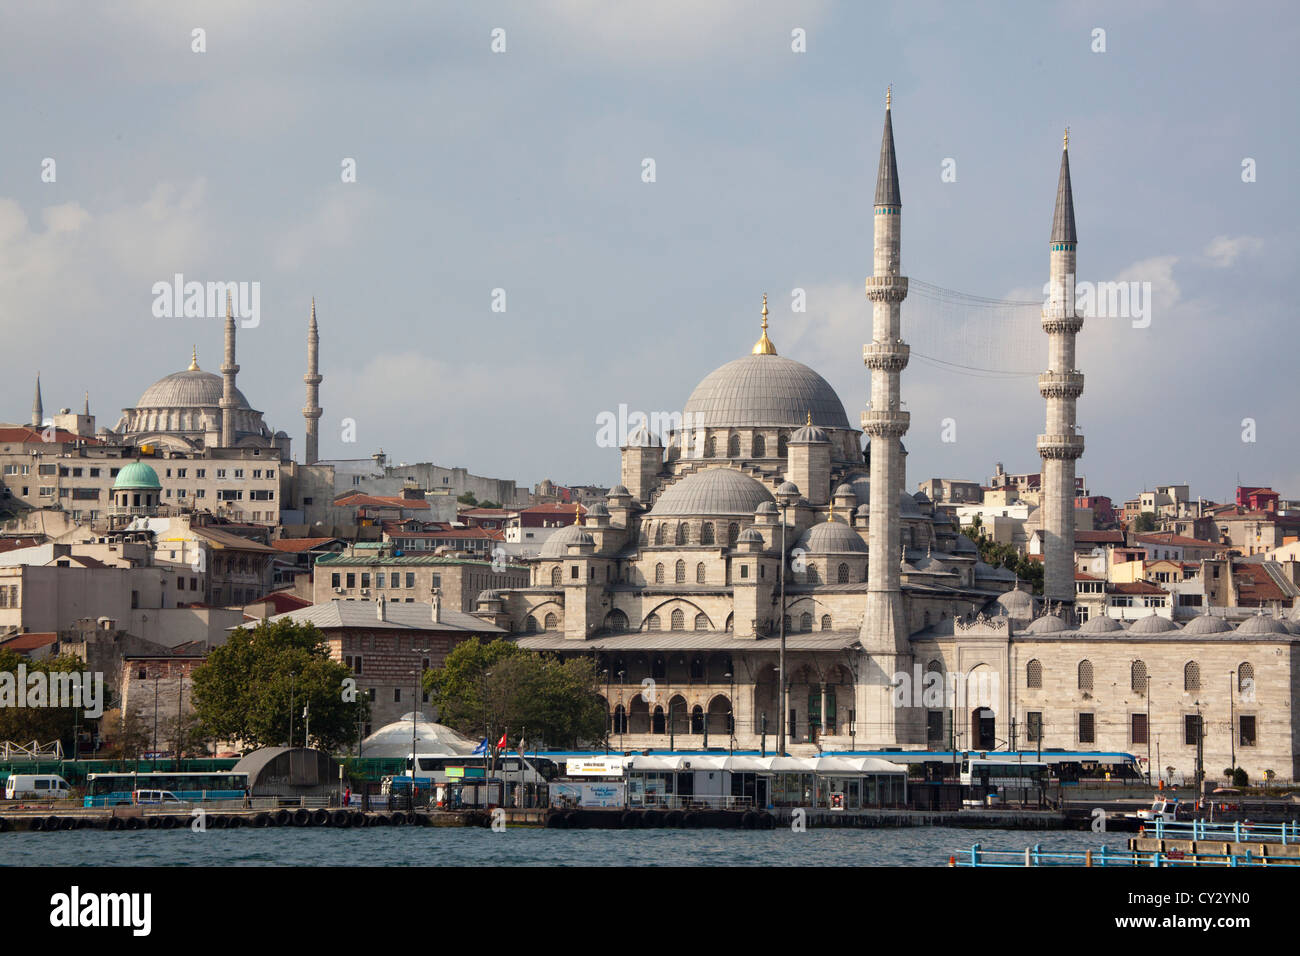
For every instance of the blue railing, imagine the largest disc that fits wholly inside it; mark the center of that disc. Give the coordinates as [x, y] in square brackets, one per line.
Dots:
[977, 856]
[1236, 832]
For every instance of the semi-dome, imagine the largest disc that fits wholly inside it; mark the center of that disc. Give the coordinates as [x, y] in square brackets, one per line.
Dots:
[714, 491]
[996, 572]
[1152, 624]
[1206, 624]
[863, 510]
[137, 475]
[832, 537]
[964, 545]
[192, 388]
[764, 390]
[1101, 624]
[557, 545]
[1262, 624]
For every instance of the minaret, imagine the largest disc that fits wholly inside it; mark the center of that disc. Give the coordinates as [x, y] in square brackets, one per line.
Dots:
[1061, 386]
[884, 632]
[228, 370]
[311, 412]
[38, 410]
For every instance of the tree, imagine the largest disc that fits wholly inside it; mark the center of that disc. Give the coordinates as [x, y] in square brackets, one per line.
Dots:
[243, 692]
[126, 734]
[499, 688]
[489, 504]
[1144, 522]
[468, 499]
[41, 722]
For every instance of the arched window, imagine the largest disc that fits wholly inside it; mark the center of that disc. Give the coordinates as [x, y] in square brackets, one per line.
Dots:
[842, 574]
[701, 622]
[733, 532]
[730, 617]
[706, 533]
[683, 533]
[1034, 674]
[733, 446]
[680, 572]
[620, 720]
[659, 573]
[555, 577]
[697, 719]
[782, 442]
[826, 622]
[699, 573]
[1191, 677]
[711, 447]
[530, 625]
[550, 622]
[678, 620]
[805, 621]
[760, 447]
[1138, 677]
[1246, 679]
[657, 722]
[616, 620]
[1085, 676]
[652, 622]
[659, 534]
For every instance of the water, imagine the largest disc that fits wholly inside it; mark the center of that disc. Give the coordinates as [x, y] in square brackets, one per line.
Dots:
[457, 846]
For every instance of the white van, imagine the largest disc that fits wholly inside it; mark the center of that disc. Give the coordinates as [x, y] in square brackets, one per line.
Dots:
[26, 786]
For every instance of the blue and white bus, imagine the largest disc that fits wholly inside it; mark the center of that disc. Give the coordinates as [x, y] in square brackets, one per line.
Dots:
[117, 789]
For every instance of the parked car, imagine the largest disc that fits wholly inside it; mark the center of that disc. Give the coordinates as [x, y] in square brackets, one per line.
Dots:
[156, 798]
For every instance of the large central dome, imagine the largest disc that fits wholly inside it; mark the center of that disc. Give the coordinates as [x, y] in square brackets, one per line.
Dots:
[192, 388]
[764, 390]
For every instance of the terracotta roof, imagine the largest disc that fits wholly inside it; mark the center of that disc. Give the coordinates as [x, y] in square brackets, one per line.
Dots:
[1174, 540]
[1099, 537]
[13, 544]
[281, 602]
[553, 507]
[296, 545]
[35, 436]
[30, 641]
[1137, 587]
[358, 500]
[1084, 576]
[1255, 583]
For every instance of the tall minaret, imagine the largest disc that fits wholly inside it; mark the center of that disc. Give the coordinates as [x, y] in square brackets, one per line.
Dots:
[884, 633]
[312, 410]
[38, 410]
[228, 370]
[1061, 386]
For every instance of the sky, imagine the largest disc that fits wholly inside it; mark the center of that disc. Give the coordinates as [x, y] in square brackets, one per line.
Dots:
[500, 154]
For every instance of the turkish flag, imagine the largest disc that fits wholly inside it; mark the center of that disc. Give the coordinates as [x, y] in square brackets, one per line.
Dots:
[501, 744]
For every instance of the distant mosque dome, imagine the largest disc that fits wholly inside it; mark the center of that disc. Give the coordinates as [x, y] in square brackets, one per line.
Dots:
[1262, 624]
[192, 388]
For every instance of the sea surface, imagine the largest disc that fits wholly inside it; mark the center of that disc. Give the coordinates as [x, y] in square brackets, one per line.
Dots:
[457, 846]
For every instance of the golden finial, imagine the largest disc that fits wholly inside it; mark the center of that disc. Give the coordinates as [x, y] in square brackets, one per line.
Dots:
[1066, 143]
[194, 360]
[889, 96]
[764, 345]
[577, 513]
[809, 421]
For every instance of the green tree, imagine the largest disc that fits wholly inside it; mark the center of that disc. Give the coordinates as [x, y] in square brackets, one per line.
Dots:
[499, 688]
[489, 504]
[127, 735]
[1144, 522]
[42, 723]
[468, 499]
[243, 692]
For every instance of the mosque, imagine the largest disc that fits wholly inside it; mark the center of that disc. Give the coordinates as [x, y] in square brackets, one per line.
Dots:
[765, 544]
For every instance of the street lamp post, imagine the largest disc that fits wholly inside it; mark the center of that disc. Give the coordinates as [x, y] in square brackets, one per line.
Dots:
[155, 719]
[622, 724]
[780, 693]
[1232, 717]
[731, 712]
[609, 713]
[415, 714]
[291, 676]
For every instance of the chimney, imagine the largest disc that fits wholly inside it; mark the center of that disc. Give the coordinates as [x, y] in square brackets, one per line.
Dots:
[381, 608]
[436, 599]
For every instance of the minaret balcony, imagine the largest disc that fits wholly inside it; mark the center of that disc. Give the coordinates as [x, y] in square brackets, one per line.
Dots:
[886, 288]
[1060, 384]
[886, 424]
[1055, 320]
[1060, 447]
[886, 356]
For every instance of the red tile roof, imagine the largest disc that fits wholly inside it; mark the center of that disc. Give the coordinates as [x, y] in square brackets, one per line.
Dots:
[1137, 587]
[282, 602]
[358, 500]
[29, 642]
[1174, 540]
[1099, 537]
[13, 544]
[297, 545]
[1085, 576]
[35, 436]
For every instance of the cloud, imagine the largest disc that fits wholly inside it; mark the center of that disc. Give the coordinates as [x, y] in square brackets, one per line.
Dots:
[332, 225]
[1223, 251]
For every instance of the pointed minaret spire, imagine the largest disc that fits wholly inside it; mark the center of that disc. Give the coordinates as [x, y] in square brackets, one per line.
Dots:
[887, 193]
[1063, 217]
[38, 410]
[228, 371]
[312, 411]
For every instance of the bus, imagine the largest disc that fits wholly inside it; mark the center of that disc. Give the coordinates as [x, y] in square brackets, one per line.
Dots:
[116, 789]
[457, 769]
[1002, 779]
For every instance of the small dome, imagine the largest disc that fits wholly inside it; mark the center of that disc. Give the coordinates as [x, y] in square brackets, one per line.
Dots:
[845, 490]
[619, 491]
[861, 485]
[921, 498]
[1206, 624]
[964, 545]
[488, 596]
[809, 434]
[1101, 624]
[1016, 603]
[643, 437]
[864, 510]
[557, 545]
[787, 488]
[137, 475]
[1262, 624]
[714, 491]
[1049, 624]
[995, 573]
[599, 510]
[907, 506]
[1152, 624]
[766, 508]
[932, 565]
[750, 535]
[832, 537]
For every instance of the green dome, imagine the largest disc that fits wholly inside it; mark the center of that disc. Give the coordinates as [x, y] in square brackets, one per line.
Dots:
[137, 475]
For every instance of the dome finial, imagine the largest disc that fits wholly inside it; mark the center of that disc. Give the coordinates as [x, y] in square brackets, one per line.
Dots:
[1066, 142]
[809, 421]
[577, 513]
[194, 359]
[764, 345]
[889, 96]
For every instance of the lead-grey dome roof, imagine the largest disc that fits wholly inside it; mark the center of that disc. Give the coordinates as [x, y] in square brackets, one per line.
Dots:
[809, 434]
[714, 491]
[1261, 624]
[557, 545]
[1206, 624]
[764, 390]
[1152, 624]
[193, 388]
[598, 510]
[832, 537]
[1049, 624]
[1101, 624]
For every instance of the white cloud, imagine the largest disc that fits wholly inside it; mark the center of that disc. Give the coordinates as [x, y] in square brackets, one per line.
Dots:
[332, 225]
[1223, 251]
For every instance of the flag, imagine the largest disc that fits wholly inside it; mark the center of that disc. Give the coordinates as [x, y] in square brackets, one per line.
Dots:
[501, 744]
[481, 749]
